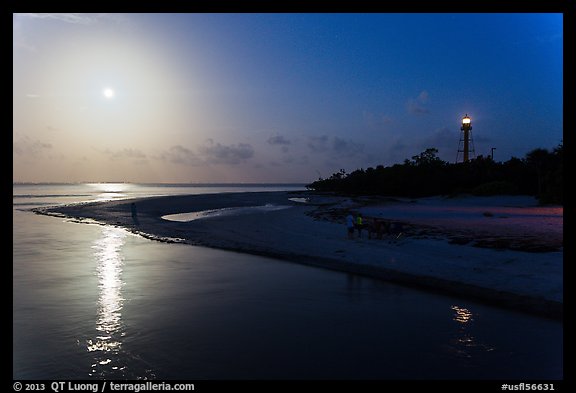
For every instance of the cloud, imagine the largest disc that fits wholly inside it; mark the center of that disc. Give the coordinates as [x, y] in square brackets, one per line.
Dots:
[278, 140]
[417, 105]
[217, 153]
[346, 147]
[423, 96]
[29, 147]
[210, 153]
[77, 19]
[73, 18]
[20, 30]
[334, 146]
[125, 153]
[180, 155]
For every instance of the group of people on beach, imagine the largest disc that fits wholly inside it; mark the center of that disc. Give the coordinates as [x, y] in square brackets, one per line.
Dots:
[376, 227]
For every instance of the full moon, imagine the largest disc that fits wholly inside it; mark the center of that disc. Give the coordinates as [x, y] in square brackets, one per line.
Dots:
[108, 93]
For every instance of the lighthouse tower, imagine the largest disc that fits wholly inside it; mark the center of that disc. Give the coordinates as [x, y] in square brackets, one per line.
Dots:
[466, 144]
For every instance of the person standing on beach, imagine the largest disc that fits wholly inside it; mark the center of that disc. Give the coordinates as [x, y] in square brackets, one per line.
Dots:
[134, 213]
[359, 225]
[350, 225]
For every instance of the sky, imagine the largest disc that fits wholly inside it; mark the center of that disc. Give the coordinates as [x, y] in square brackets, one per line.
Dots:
[276, 98]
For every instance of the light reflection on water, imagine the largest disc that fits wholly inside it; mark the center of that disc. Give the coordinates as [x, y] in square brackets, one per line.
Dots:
[462, 315]
[109, 191]
[108, 196]
[465, 344]
[107, 345]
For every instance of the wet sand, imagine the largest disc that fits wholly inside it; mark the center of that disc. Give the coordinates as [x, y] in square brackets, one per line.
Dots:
[314, 233]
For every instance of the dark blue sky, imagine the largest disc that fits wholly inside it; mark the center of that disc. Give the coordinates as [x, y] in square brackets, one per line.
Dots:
[282, 97]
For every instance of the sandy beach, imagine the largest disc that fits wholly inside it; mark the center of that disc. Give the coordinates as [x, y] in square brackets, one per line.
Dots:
[503, 250]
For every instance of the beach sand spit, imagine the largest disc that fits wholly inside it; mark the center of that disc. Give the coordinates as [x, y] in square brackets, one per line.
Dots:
[503, 250]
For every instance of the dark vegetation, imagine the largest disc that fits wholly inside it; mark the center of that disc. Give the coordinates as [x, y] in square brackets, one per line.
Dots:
[539, 173]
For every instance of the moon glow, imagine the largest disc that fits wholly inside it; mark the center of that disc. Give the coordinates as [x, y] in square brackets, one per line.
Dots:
[108, 93]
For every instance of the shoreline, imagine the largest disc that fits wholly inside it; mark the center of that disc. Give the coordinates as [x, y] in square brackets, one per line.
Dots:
[313, 234]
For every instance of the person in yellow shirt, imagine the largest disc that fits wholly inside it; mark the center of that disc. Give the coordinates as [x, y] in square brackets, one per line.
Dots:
[359, 224]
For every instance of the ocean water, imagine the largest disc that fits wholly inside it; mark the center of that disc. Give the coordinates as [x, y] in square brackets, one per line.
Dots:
[97, 302]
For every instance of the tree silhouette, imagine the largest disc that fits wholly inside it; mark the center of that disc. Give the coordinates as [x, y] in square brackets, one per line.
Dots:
[540, 174]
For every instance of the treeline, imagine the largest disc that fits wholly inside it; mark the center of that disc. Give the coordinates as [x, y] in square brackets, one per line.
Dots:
[539, 173]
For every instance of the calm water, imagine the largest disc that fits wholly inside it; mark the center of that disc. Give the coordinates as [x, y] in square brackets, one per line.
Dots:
[93, 301]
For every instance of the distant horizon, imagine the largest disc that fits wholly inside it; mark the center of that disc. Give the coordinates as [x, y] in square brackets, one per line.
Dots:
[158, 184]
